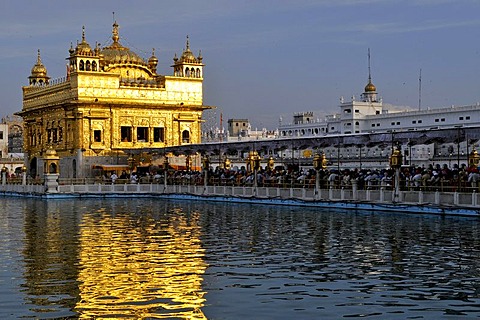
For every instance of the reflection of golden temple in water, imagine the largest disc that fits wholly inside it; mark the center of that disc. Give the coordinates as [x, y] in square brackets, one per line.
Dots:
[152, 268]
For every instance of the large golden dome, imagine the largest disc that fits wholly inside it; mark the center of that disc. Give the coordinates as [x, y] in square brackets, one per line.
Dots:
[116, 53]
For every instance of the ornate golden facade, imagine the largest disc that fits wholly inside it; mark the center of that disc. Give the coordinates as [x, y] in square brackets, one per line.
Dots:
[111, 103]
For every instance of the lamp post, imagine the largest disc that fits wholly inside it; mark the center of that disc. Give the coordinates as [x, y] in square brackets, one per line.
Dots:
[24, 175]
[360, 156]
[410, 143]
[227, 164]
[338, 159]
[396, 163]
[253, 162]
[319, 162]
[131, 162]
[206, 167]
[317, 165]
[165, 171]
[271, 163]
[187, 162]
[473, 159]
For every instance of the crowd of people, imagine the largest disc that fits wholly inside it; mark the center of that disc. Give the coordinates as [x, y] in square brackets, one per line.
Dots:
[433, 177]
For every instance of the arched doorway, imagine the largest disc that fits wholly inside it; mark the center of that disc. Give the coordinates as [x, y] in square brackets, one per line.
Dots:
[186, 136]
[33, 168]
[74, 166]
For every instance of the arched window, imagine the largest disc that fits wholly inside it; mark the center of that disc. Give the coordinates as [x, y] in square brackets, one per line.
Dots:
[89, 66]
[185, 136]
[52, 168]
[94, 66]
[192, 72]
[81, 66]
[187, 72]
[199, 74]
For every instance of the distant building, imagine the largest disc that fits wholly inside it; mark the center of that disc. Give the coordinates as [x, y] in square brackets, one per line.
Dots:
[3, 140]
[238, 127]
[15, 135]
[368, 115]
[111, 104]
[11, 144]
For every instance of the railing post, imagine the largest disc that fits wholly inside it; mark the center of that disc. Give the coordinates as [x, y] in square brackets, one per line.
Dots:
[354, 189]
[382, 194]
[4, 177]
[51, 182]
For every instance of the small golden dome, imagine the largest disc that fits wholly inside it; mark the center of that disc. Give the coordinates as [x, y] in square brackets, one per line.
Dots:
[39, 69]
[51, 152]
[153, 59]
[370, 87]
[187, 55]
[83, 47]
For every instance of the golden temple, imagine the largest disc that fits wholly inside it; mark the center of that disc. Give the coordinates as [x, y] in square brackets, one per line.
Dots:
[110, 103]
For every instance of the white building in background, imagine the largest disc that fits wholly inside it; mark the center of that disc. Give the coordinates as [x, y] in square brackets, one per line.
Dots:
[369, 115]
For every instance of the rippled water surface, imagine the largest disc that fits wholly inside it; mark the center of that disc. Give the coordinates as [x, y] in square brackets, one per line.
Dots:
[152, 259]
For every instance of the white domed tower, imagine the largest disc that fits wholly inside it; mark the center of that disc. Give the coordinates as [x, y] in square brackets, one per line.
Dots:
[370, 93]
[38, 76]
[354, 113]
[188, 65]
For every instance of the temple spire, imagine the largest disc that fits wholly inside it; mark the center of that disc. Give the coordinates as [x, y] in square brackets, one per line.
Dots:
[369, 70]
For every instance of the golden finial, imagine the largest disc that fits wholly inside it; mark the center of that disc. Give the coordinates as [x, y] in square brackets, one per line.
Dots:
[115, 36]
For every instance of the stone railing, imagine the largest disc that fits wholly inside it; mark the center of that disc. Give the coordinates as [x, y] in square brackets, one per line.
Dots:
[442, 202]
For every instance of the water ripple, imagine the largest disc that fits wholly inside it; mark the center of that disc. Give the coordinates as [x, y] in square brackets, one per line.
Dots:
[147, 258]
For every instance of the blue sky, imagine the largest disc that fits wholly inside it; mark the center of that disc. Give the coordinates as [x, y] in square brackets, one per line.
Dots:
[266, 59]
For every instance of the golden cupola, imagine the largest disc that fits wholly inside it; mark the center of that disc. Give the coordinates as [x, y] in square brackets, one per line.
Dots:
[188, 65]
[370, 87]
[153, 62]
[39, 74]
[83, 48]
[82, 57]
